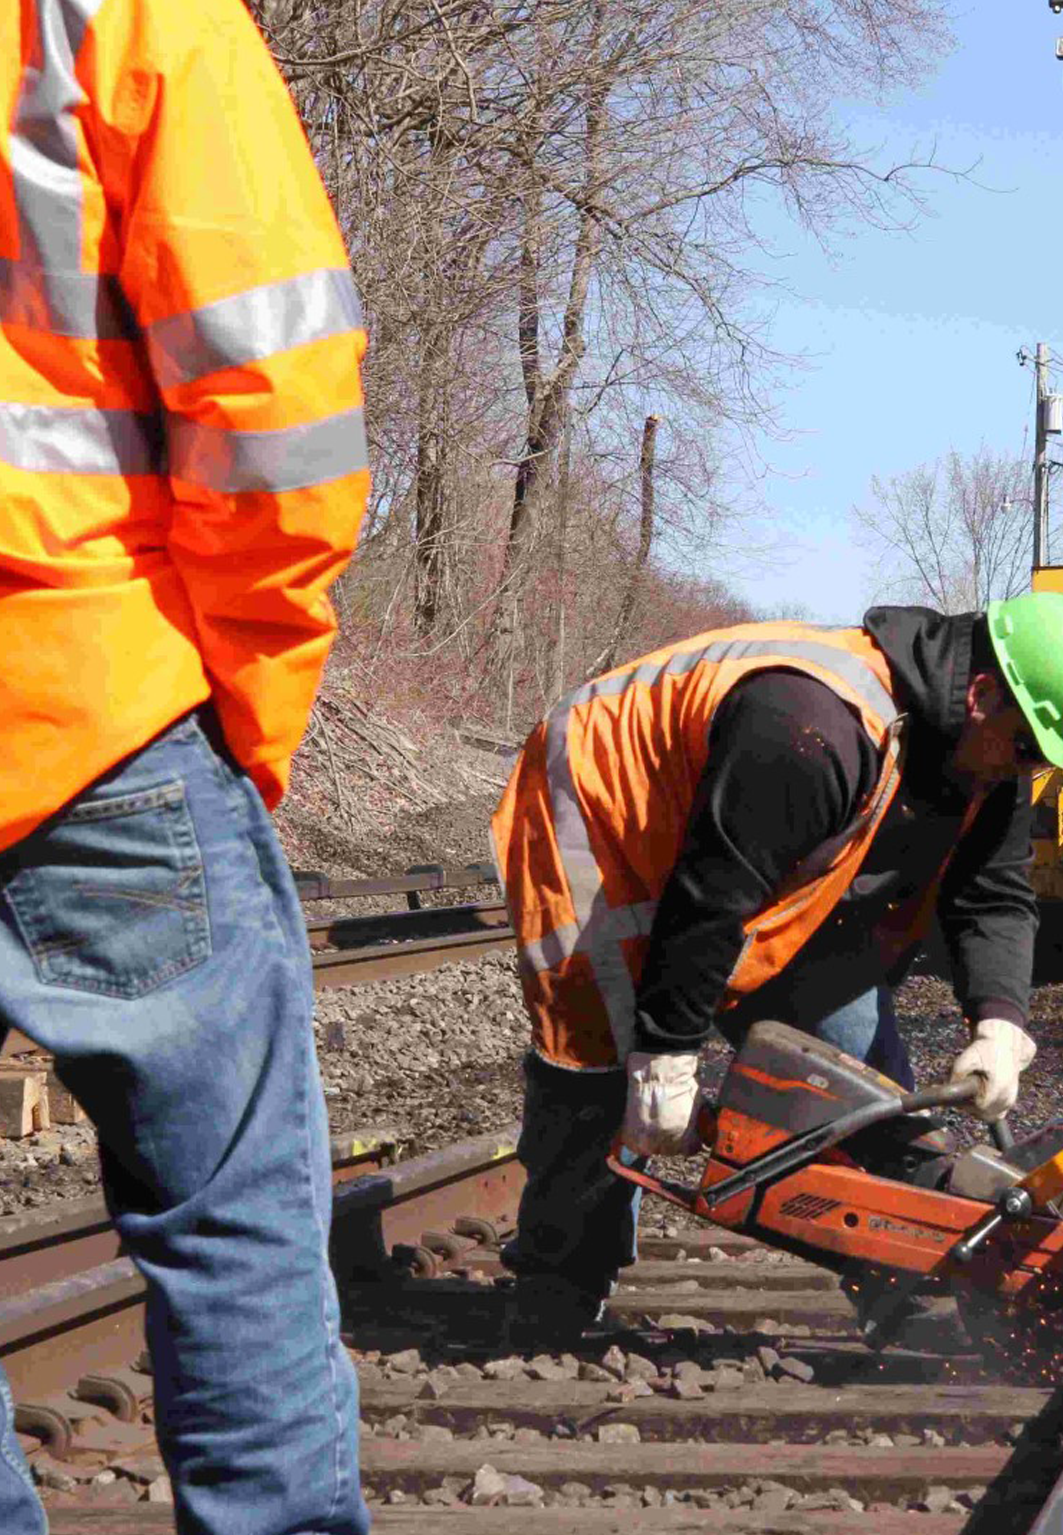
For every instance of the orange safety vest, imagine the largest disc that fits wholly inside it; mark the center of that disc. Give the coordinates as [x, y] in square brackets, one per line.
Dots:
[592, 820]
[183, 465]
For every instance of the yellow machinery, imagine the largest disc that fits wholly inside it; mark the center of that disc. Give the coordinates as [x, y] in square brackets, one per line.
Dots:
[1047, 876]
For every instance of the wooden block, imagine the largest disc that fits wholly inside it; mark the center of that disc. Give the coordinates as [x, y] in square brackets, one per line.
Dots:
[42, 1119]
[23, 1103]
[62, 1105]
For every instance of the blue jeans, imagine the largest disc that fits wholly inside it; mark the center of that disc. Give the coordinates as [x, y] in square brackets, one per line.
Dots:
[867, 1029]
[579, 1221]
[151, 937]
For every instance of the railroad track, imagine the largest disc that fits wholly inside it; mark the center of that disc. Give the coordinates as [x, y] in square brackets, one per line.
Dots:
[352, 951]
[734, 1390]
[72, 1305]
[729, 1393]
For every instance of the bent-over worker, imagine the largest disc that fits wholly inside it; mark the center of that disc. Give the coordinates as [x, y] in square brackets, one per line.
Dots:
[761, 822]
[182, 475]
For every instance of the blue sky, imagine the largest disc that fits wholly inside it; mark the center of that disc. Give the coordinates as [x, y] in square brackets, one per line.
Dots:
[910, 338]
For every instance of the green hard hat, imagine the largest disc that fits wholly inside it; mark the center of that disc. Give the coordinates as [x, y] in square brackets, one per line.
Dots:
[1027, 636]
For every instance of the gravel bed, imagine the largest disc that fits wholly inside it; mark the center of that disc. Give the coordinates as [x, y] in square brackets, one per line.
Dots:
[719, 1365]
[760, 1496]
[438, 1057]
[51, 1166]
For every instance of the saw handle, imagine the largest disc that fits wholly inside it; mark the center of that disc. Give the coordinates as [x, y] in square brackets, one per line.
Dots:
[959, 1092]
[1000, 1134]
[940, 1096]
[1014, 1204]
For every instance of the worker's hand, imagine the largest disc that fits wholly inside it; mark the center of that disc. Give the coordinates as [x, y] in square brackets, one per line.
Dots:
[998, 1052]
[662, 1105]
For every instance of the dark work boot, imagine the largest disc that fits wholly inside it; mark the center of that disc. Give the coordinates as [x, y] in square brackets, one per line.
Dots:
[551, 1312]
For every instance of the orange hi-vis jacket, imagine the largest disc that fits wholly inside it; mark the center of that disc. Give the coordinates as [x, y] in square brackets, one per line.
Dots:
[592, 820]
[183, 461]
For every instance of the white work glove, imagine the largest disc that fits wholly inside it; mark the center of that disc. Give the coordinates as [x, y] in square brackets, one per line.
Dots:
[662, 1105]
[998, 1052]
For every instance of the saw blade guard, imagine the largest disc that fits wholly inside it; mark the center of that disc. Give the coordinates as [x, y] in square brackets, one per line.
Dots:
[784, 1082]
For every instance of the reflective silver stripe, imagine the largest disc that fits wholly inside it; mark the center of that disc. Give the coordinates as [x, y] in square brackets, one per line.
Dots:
[44, 439]
[594, 933]
[289, 459]
[613, 924]
[600, 938]
[77, 304]
[47, 439]
[44, 154]
[548, 952]
[255, 324]
[581, 870]
[860, 678]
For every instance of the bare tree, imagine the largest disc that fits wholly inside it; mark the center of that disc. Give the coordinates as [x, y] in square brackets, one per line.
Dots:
[552, 211]
[956, 533]
[606, 659]
[656, 122]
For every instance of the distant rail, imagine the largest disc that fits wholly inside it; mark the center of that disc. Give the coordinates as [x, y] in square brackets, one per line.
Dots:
[352, 950]
[413, 883]
[486, 930]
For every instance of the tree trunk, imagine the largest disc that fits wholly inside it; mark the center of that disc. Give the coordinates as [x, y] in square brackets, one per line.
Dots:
[607, 659]
[548, 400]
[564, 483]
[430, 511]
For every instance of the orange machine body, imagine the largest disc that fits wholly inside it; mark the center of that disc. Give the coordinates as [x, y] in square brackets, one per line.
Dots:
[904, 1217]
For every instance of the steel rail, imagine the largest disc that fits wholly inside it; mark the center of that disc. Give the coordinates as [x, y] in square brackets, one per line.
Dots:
[69, 1300]
[777, 1430]
[423, 877]
[62, 1331]
[377, 962]
[425, 922]
[71, 1304]
[474, 1180]
[67, 1293]
[39, 1247]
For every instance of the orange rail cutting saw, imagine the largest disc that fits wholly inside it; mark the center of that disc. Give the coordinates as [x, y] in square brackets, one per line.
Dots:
[815, 1153]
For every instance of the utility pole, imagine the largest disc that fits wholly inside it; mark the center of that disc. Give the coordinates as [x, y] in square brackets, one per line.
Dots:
[1040, 465]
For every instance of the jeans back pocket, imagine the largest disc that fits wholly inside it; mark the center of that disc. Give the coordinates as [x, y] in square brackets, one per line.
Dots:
[110, 897]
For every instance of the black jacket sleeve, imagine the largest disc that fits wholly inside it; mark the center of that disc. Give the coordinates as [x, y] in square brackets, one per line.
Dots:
[988, 911]
[789, 765]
